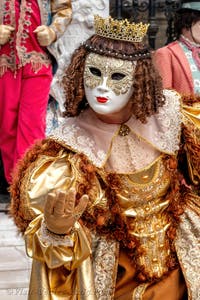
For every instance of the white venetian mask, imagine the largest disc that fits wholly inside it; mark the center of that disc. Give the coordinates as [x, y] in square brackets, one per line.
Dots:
[108, 83]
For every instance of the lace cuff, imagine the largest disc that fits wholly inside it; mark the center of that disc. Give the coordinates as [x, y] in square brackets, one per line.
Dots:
[54, 239]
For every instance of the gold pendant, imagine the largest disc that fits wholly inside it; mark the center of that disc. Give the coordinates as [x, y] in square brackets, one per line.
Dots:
[124, 130]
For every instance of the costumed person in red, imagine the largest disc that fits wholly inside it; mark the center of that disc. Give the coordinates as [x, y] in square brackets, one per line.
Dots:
[28, 30]
[100, 202]
[179, 66]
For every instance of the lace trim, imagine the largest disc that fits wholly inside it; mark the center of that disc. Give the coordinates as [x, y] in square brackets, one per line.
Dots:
[6, 63]
[105, 267]
[170, 119]
[36, 59]
[129, 153]
[188, 251]
[53, 239]
[76, 139]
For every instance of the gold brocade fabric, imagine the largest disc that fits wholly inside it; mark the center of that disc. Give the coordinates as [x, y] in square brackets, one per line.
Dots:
[142, 201]
[171, 287]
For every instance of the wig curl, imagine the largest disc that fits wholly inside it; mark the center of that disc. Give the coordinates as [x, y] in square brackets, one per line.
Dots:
[147, 96]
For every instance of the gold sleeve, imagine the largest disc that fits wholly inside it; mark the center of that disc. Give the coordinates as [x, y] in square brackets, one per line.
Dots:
[62, 13]
[45, 167]
[46, 174]
[56, 251]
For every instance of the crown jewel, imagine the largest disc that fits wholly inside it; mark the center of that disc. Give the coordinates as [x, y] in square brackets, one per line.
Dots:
[120, 30]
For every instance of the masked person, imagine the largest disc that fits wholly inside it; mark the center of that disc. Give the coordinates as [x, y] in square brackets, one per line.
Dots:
[28, 30]
[100, 201]
[179, 66]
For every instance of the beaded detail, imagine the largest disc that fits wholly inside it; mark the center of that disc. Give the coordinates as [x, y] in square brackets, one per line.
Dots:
[124, 130]
[137, 55]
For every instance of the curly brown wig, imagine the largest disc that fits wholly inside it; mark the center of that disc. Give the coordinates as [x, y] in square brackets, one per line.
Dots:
[147, 96]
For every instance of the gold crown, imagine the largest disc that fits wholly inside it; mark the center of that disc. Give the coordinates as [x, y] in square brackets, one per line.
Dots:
[120, 30]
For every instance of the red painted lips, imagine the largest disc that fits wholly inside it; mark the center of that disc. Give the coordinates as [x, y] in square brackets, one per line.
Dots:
[102, 99]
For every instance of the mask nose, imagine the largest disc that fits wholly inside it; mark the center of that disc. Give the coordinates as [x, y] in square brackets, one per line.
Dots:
[103, 88]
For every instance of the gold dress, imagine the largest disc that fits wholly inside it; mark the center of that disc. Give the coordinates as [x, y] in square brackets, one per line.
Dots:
[138, 238]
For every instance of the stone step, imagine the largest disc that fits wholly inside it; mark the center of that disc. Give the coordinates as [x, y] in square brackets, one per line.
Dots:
[14, 258]
[15, 265]
[6, 222]
[10, 238]
[14, 279]
[9, 235]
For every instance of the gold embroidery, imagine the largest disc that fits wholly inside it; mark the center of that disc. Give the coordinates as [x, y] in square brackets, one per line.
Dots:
[139, 291]
[145, 209]
[37, 59]
[107, 67]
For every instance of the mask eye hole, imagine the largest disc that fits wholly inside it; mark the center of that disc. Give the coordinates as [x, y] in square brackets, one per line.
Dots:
[95, 71]
[117, 76]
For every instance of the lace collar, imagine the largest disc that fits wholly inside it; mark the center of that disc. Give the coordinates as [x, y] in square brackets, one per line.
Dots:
[88, 135]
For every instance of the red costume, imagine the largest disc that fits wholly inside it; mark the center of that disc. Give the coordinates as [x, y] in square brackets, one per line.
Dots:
[25, 75]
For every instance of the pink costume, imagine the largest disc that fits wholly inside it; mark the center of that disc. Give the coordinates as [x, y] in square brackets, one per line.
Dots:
[25, 78]
[174, 68]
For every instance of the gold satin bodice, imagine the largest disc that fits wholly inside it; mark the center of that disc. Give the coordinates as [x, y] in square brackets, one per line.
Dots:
[142, 201]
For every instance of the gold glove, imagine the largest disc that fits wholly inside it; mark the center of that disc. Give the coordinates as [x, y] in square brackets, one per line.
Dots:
[60, 212]
[5, 33]
[45, 35]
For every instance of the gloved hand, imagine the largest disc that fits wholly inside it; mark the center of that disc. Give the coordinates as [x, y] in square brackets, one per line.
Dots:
[5, 33]
[45, 35]
[60, 212]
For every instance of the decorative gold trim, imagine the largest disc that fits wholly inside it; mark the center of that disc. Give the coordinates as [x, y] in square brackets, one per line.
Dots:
[139, 291]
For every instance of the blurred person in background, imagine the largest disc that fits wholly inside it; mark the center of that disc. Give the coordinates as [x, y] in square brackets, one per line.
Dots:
[179, 66]
[28, 31]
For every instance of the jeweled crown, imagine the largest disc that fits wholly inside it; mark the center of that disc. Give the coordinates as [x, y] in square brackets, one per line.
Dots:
[120, 30]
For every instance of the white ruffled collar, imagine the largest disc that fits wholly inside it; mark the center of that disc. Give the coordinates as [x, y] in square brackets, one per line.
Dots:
[87, 134]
